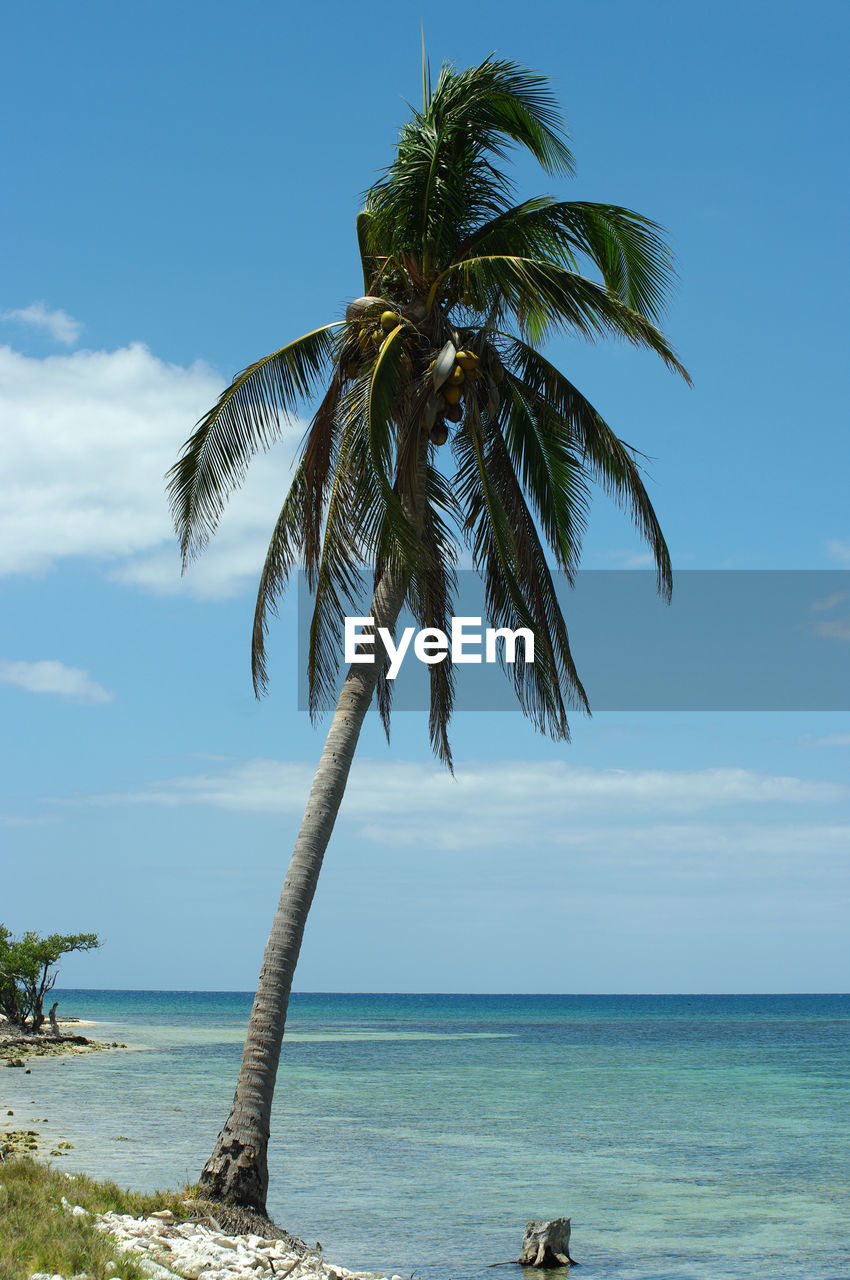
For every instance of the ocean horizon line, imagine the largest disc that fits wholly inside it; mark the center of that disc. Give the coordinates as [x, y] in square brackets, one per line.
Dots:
[478, 995]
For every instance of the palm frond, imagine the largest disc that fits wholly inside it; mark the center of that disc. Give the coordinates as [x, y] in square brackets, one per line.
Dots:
[636, 263]
[519, 591]
[628, 249]
[353, 505]
[445, 178]
[544, 296]
[431, 593]
[561, 409]
[297, 535]
[369, 261]
[284, 549]
[549, 469]
[245, 418]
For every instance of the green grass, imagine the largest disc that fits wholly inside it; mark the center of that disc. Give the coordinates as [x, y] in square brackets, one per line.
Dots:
[37, 1234]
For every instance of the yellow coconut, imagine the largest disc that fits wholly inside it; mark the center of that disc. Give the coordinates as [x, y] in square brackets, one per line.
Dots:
[452, 395]
[389, 320]
[467, 359]
[456, 376]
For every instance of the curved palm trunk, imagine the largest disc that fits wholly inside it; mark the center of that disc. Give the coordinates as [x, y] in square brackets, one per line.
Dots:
[237, 1170]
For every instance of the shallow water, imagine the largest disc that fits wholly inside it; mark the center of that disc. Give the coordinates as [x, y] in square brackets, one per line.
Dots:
[687, 1136]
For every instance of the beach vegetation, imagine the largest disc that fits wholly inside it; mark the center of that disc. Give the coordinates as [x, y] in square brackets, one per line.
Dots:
[38, 1233]
[440, 422]
[29, 969]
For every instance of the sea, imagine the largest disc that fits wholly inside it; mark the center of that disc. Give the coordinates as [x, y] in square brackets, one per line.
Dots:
[687, 1137]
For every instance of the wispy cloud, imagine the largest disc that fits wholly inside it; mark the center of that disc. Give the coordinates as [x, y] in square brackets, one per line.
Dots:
[494, 802]
[54, 677]
[834, 629]
[87, 440]
[631, 559]
[588, 828]
[57, 324]
[839, 551]
[829, 602]
[832, 740]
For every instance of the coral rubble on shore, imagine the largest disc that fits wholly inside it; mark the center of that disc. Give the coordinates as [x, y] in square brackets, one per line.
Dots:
[166, 1247]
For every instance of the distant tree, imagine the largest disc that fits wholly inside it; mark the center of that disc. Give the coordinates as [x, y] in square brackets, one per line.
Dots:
[28, 971]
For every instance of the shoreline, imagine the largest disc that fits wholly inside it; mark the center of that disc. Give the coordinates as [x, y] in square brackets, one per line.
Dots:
[185, 1238]
[193, 1240]
[15, 1046]
[16, 1051]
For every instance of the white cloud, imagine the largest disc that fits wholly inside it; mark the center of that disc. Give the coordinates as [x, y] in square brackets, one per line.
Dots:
[829, 602]
[487, 801]
[87, 440]
[614, 826]
[54, 677]
[839, 551]
[58, 324]
[835, 629]
[833, 740]
[630, 559]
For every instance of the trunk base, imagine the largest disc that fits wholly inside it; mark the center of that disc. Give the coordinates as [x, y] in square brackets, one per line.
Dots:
[236, 1175]
[547, 1244]
[231, 1220]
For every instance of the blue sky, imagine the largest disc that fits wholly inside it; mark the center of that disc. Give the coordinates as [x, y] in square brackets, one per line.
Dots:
[183, 187]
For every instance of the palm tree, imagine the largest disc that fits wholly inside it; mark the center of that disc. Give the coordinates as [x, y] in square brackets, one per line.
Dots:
[461, 285]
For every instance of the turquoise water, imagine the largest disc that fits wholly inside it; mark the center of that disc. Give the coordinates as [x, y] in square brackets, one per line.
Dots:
[687, 1136]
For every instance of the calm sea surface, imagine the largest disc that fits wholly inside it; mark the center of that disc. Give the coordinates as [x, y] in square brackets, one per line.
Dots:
[687, 1136]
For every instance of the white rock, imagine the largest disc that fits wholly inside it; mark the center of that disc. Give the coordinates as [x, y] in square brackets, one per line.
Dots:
[225, 1241]
[79, 1212]
[163, 1215]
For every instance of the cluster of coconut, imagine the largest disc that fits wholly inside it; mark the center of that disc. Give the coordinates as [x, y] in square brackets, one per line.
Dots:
[453, 373]
[374, 327]
[380, 332]
[464, 370]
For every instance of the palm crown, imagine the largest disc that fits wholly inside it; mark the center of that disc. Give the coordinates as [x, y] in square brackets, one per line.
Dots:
[461, 285]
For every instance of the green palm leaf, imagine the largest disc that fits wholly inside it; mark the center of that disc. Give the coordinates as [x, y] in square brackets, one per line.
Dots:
[550, 471]
[244, 419]
[545, 296]
[635, 263]
[297, 534]
[561, 408]
[445, 177]
[519, 590]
